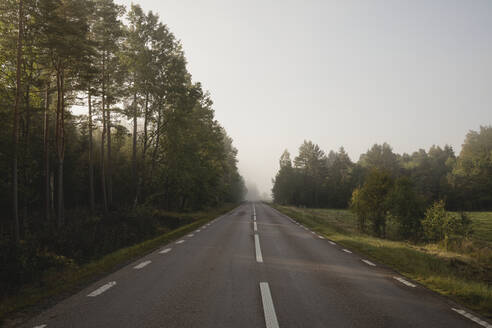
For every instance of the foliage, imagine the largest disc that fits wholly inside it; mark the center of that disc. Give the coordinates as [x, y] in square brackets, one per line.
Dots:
[406, 208]
[370, 201]
[93, 183]
[329, 181]
[439, 225]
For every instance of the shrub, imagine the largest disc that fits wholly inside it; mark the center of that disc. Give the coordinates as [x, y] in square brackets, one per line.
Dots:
[406, 208]
[439, 225]
[369, 203]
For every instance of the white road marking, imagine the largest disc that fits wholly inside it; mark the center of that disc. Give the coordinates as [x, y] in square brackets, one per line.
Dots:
[141, 265]
[255, 226]
[190, 235]
[346, 251]
[40, 326]
[403, 281]
[268, 308]
[259, 257]
[368, 262]
[197, 231]
[180, 241]
[102, 289]
[472, 318]
[331, 242]
[164, 251]
[321, 237]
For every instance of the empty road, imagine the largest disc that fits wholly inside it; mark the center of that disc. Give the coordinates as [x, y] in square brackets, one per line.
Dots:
[254, 267]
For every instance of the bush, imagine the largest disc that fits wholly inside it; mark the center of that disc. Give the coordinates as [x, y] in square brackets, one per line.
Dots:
[369, 202]
[406, 208]
[440, 225]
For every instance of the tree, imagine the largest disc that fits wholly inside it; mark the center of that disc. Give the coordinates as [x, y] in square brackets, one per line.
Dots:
[15, 129]
[472, 175]
[405, 207]
[311, 163]
[369, 201]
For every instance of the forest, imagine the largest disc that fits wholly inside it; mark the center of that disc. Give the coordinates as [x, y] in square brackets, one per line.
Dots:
[415, 190]
[77, 186]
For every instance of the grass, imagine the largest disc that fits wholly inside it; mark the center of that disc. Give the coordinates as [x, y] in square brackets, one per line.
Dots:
[482, 225]
[462, 272]
[56, 285]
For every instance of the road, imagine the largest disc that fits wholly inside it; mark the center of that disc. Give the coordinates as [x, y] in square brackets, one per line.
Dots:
[254, 267]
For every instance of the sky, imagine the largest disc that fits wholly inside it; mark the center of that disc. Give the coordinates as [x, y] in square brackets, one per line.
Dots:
[340, 73]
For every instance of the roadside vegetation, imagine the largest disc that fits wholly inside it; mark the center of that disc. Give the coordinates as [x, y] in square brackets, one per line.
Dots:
[461, 269]
[417, 213]
[105, 142]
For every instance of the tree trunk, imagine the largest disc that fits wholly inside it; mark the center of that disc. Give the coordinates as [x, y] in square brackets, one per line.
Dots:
[109, 163]
[60, 141]
[103, 135]
[92, 200]
[46, 153]
[134, 149]
[15, 189]
[156, 146]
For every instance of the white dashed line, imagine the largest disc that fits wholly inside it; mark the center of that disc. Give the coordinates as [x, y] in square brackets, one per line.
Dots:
[472, 318]
[268, 308]
[180, 241]
[321, 237]
[403, 281]
[164, 251]
[346, 251]
[197, 231]
[40, 326]
[141, 265]
[259, 257]
[368, 262]
[102, 289]
[190, 235]
[255, 226]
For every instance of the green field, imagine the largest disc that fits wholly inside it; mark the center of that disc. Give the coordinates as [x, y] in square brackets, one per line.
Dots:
[462, 272]
[482, 225]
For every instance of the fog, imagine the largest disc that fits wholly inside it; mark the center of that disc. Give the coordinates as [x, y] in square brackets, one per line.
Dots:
[351, 73]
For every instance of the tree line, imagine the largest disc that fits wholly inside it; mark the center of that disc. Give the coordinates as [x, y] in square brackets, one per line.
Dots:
[149, 137]
[409, 188]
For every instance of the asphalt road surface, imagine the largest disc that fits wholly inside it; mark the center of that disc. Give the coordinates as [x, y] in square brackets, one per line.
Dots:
[254, 267]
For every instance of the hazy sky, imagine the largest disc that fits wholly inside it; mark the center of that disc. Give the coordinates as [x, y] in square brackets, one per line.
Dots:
[353, 73]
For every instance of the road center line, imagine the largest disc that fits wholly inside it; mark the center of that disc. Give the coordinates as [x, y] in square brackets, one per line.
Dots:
[268, 308]
[164, 251]
[472, 318]
[259, 257]
[102, 289]
[180, 241]
[255, 226]
[321, 237]
[331, 242]
[190, 235]
[403, 281]
[141, 265]
[346, 251]
[368, 262]
[40, 326]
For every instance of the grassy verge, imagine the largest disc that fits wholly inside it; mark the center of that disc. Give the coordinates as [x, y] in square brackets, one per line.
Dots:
[58, 284]
[464, 275]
